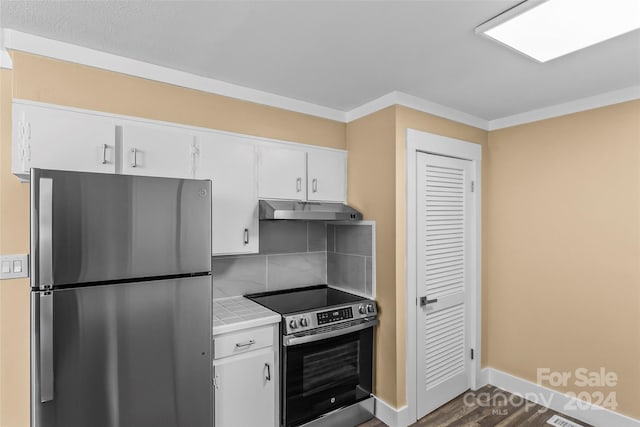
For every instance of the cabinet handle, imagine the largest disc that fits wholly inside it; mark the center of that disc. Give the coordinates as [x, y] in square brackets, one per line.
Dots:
[314, 185]
[268, 377]
[298, 185]
[246, 236]
[104, 153]
[245, 344]
[134, 161]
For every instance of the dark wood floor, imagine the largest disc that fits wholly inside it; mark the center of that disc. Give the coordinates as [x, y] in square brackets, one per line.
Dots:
[487, 407]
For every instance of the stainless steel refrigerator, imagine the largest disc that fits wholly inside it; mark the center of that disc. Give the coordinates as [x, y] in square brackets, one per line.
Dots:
[120, 301]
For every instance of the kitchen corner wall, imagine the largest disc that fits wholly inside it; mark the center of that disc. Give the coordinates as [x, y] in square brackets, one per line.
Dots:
[377, 187]
[350, 257]
[562, 286]
[300, 253]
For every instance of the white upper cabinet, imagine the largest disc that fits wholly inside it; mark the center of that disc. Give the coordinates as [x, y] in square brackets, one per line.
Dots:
[157, 150]
[281, 172]
[326, 175]
[230, 162]
[50, 138]
[313, 174]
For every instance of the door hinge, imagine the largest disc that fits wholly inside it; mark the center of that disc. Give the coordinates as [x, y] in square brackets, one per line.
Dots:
[473, 186]
[472, 355]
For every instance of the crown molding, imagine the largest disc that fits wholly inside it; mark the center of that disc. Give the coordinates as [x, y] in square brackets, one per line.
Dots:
[20, 41]
[583, 104]
[30, 43]
[410, 101]
[372, 106]
[5, 59]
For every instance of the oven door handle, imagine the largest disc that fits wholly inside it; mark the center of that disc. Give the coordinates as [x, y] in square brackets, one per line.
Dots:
[291, 341]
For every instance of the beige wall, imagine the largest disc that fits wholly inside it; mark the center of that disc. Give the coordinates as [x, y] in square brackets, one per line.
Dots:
[14, 294]
[46, 80]
[377, 186]
[371, 189]
[563, 243]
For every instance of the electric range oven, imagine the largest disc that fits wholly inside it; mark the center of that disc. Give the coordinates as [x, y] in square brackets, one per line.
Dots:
[326, 355]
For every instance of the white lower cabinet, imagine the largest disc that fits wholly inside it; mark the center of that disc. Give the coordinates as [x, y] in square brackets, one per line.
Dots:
[246, 378]
[245, 391]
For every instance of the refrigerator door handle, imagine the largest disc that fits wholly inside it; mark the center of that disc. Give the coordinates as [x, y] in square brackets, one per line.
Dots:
[45, 234]
[46, 346]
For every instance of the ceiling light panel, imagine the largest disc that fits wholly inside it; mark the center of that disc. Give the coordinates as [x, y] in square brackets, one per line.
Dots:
[545, 30]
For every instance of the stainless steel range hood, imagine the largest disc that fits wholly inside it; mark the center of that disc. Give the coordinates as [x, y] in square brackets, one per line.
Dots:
[321, 211]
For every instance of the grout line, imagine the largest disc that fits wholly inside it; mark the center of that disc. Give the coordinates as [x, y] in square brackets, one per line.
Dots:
[266, 272]
[345, 253]
[334, 238]
[326, 268]
[364, 270]
[298, 253]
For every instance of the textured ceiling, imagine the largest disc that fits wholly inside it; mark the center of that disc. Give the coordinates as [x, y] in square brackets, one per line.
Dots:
[337, 54]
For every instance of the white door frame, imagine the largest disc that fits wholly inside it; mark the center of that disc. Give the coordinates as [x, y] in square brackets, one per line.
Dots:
[418, 141]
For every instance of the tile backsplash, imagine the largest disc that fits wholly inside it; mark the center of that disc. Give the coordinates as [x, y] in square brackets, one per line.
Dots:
[292, 254]
[299, 253]
[350, 257]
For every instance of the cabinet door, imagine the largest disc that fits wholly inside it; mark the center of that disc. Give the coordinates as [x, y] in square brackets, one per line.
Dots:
[244, 392]
[230, 162]
[157, 150]
[327, 172]
[50, 138]
[281, 173]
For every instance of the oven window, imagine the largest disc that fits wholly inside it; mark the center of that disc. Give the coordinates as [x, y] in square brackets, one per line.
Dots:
[325, 368]
[325, 375]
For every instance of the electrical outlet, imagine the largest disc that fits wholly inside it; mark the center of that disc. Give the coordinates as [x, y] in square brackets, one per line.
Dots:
[14, 266]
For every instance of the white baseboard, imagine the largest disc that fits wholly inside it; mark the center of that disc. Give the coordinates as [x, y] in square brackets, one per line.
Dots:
[583, 411]
[393, 417]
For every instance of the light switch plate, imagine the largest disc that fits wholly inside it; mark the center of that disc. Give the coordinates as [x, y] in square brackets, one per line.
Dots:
[14, 266]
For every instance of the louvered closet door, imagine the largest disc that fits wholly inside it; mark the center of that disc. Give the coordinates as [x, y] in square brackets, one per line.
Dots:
[443, 248]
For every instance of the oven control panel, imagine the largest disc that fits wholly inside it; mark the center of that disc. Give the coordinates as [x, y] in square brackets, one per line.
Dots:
[300, 322]
[337, 315]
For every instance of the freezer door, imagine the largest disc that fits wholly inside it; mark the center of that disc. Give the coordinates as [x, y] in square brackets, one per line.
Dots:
[125, 355]
[90, 227]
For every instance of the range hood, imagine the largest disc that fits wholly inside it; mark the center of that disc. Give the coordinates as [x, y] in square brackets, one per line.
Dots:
[321, 211]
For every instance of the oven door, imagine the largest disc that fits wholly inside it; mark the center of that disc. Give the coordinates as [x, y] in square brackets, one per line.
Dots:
[326, 371]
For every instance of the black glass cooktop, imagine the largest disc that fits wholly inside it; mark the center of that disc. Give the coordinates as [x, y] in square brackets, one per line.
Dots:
[303, 299]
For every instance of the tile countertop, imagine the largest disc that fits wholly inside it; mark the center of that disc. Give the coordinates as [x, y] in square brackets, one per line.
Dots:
[236, 313]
